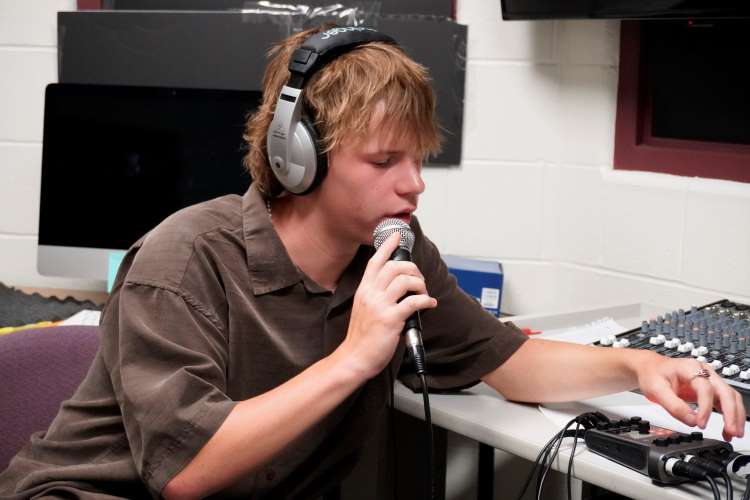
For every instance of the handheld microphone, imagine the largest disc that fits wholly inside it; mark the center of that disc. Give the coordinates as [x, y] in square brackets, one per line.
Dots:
[413, 325]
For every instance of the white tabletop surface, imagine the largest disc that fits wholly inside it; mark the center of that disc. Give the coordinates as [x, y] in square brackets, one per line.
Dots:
[522, 429]
[482, 414]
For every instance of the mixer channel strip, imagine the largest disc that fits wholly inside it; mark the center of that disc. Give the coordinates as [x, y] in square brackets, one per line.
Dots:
[717, 334]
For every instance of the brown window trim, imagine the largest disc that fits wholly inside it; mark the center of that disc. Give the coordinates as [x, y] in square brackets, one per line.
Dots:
[637, 149]
[89, 4]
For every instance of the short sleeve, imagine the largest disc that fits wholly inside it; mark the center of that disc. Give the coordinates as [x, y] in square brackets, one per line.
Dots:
[167, 358]
[463, 342]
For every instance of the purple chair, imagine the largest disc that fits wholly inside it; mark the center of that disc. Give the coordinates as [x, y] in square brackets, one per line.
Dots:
[39, 369]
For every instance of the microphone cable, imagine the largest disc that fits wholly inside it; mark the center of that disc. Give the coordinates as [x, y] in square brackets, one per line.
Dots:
[694, 468]
[547, 454]
[714, 488]
[728, 485]
[541, 458]
[412, 332]
[570, 462]
[430, 444]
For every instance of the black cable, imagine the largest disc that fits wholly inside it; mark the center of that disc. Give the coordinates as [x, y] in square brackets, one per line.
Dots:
[728, 484]
[570, 461]
[746, 495]
[428, 421]
[543, 454]
[392, 427]
[547, 459]
[549, 464]
[714, 488]
[536, 463]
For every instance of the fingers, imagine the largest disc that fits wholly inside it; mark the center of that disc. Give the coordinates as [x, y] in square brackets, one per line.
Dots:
[404, 284]
[713, 391]
[377, 261]
[679, 409]
[732, 409]
[741, 414]
[737, 429]
[705, 396]
[393, 269]
[414, 303]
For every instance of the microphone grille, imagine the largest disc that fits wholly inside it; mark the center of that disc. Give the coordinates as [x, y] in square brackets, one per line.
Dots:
[389, 226]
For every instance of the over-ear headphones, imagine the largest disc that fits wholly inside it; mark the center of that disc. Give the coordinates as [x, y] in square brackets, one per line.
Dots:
[293, 144]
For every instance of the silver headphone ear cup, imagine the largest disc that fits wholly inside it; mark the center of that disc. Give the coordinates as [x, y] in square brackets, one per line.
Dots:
[300, 173]
[319, 159]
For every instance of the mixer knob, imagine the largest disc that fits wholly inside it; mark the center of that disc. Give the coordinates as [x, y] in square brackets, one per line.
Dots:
[730, 370]
[657, 340]
[607, 340]
[686, 347]
[617, 344]
[699, 351]
[701, 359]
[745, 374]
[715, 364]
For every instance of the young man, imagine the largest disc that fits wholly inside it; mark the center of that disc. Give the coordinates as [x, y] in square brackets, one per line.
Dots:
[250, 343]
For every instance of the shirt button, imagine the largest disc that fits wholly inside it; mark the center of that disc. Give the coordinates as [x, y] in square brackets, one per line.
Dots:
[270, 475]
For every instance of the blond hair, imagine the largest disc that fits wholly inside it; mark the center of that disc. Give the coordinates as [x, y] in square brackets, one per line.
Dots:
[342, 98]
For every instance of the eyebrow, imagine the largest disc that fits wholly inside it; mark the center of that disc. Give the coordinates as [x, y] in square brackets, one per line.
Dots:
[382, 151]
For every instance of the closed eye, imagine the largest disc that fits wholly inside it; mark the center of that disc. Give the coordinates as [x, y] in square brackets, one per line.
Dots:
[383, 163]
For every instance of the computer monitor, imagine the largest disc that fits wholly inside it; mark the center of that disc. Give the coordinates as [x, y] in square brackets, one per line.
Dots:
[117, 160]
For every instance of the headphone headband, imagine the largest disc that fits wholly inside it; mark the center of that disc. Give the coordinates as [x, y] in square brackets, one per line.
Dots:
[292, 141]
[322, 47]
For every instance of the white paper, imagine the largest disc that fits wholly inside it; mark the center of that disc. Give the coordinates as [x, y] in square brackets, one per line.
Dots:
[84, 317]
[585, 334]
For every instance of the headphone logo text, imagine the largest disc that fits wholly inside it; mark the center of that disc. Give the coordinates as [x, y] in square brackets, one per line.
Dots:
[335, 31]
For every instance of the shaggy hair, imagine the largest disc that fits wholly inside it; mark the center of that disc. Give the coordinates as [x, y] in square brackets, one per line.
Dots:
[342, 98]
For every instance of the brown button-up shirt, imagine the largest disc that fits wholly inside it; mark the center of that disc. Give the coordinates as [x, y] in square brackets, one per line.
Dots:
[207, 310]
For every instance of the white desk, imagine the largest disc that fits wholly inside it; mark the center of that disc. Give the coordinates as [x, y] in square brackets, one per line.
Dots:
[483, 415]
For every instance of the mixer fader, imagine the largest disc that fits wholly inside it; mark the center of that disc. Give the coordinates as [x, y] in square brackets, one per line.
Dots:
[717, 334]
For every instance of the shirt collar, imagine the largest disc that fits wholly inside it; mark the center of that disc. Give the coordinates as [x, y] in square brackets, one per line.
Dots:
[269, 266]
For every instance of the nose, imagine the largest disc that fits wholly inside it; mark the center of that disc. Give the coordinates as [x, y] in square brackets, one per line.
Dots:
[410, 177]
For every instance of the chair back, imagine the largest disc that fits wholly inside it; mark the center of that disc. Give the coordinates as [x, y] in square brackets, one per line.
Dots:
[39, 369]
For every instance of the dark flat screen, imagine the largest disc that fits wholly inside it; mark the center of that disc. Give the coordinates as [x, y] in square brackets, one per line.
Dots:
[623, 9]
[698, 80]
[117, 160]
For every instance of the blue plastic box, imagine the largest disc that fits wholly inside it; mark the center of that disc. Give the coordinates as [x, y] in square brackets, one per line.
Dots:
[482, 279]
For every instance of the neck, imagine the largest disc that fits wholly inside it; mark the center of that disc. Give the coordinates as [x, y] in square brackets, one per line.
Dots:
[312, 243]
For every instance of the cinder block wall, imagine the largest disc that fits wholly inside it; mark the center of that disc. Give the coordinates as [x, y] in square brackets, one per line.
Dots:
[536, 188]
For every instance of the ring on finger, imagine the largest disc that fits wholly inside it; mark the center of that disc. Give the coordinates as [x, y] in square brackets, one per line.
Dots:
[702, 373]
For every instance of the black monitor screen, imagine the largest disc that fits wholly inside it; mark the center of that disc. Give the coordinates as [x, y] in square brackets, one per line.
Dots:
[117, 160]
[623, 9]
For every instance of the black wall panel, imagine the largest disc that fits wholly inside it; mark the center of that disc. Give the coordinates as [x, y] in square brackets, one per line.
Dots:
[226, 50]
[440, 8]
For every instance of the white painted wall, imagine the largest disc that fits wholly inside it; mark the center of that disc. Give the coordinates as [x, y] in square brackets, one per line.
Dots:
[535, 189]
[28, 62]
